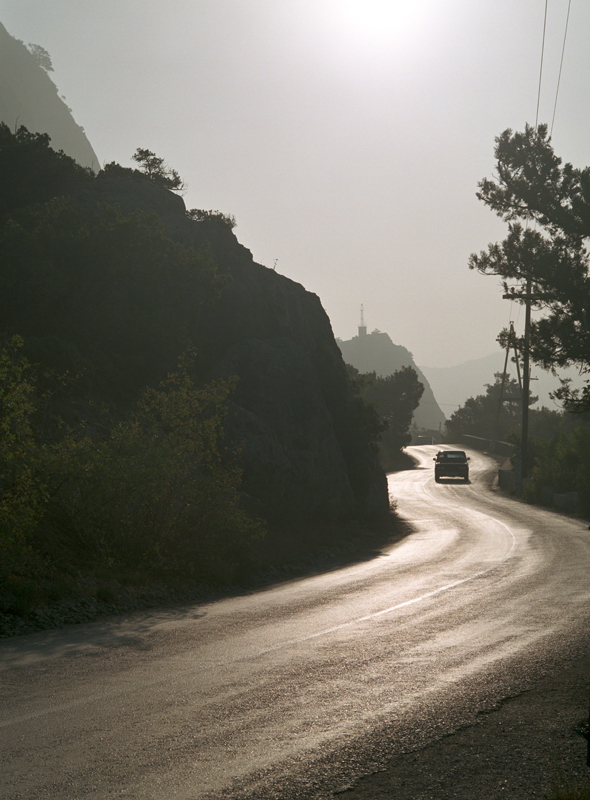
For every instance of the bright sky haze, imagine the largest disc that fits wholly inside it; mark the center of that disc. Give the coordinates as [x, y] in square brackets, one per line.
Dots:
[347, 137]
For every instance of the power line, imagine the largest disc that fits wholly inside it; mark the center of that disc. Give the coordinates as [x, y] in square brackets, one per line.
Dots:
[527, 297]
[567, 19]
[541, 65]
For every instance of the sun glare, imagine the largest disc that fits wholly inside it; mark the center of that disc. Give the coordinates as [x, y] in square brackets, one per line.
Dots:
[375, 17]
[374, 25]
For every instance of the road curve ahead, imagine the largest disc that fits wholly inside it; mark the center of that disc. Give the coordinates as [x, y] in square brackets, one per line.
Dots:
[298, 690]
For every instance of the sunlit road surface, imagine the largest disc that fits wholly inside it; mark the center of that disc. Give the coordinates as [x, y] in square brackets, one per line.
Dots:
[294, 691]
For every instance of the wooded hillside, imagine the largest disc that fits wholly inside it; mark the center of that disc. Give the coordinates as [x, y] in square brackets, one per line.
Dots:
[169, 407]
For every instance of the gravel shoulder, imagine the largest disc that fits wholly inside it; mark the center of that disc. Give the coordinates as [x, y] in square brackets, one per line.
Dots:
[516, 751]
[85, 606]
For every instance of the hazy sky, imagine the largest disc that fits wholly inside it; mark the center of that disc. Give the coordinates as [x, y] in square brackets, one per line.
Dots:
[346, 136]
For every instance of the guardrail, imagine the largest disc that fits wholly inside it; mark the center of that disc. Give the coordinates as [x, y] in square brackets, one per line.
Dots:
[491, 446]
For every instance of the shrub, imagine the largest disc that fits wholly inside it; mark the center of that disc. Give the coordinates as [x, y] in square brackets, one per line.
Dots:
[563, 465]
[200, 215]
[159, 494]
[22, 489]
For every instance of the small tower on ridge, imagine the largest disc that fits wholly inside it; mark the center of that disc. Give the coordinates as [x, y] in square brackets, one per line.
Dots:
[362, 326]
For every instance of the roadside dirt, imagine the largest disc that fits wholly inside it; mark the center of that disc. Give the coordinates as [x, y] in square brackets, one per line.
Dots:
[517, 752]
[85, 606]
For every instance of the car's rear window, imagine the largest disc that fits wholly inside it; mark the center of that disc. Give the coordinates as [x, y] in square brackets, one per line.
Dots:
[458, 456]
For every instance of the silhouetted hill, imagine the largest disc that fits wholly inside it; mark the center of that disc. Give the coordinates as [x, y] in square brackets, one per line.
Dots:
[375, 352]
[112, 280]
[29, 97]
[454, 385]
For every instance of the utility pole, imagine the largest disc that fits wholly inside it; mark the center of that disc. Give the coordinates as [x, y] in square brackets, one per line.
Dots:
[526, 382]
[526, 376]
[511, 342]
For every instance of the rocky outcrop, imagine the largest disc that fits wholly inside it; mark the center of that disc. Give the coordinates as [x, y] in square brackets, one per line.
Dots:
[375, 352]
[29, 97]
[291, 411]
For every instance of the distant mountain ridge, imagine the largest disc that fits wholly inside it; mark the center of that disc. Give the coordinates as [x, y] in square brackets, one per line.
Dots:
[375, 352]
[454, 385]
[29, 97]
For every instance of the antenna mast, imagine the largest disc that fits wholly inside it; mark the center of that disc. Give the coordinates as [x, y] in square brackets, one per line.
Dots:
[362, 326]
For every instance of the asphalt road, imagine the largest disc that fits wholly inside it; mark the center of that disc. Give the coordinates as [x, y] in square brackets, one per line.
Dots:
[299, 690]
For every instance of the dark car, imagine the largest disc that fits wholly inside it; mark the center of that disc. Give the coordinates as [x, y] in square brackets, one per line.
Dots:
[451, 464]
[424, 440]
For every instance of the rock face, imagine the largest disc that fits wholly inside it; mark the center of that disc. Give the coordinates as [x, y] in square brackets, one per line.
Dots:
[291, 411]
[29, 97]
[375, 352]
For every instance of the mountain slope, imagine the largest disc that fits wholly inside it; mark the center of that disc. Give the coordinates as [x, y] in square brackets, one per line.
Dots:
[29, 97]
[454, 385]
[375, 352]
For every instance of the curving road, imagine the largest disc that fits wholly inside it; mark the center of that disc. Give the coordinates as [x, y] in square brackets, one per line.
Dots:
[298, 690]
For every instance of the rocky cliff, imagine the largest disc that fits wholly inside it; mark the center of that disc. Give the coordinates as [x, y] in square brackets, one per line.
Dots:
[292, 409]
[292, 412]
[375, 352]
[29, 97]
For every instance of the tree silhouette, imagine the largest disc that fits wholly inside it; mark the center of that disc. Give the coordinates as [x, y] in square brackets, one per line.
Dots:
[41, 56]
[532, 185]
[157, 170]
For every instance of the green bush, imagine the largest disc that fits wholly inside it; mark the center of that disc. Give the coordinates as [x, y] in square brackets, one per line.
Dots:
[202, 215]
[562, 465]
[31, 171]
[383, 410]
[158, 494]
[22, 488]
